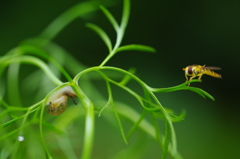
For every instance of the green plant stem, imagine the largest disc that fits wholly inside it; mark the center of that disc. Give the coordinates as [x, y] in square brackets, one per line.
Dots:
[13, 84]
[89, 121]
[133, 116]
[169, 122]
[29, 49]
[68, 16]
[119, 30]
[32, 109]
[35, 61]
[106, 60]
[113, 106]
[41, 132]
[136, 125]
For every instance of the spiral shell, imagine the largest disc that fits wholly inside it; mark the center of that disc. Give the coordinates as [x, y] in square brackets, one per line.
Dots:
[58, 101]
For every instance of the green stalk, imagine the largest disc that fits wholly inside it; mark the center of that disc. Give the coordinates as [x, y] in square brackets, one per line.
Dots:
[89, 121]
[48, 155]
[119, 30]
[37, 62]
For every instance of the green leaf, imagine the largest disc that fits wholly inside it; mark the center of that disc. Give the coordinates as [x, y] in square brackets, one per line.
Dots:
[136, 125]
[126, 14]
[110, 18]
[10, 133]
[68, 16]
[36, 61]
[166, 140]
[135, 47]
[171, 89]
[206, 94]
[102, 35]
[53, 128]
[53, 49]
[183, 86]
[158, 135]
[65, 144]
[127, 78]
[10, 122]
[134, 151]
[48, 155]
[134, 94]
[111, 101]
[179, 117]
[119, 123]
[194, 90]
[13, 84]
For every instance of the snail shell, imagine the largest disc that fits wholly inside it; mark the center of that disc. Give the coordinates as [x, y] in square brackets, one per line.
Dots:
[58, 101]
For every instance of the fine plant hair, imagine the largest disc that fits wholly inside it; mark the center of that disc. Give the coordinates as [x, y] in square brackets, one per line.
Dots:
[19, 119]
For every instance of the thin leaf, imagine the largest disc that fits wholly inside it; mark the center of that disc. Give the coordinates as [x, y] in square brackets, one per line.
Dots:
[126, 14]
[199, 91]
[53, 128]
[106, 105]
[136, 124]
[206, 94]
[171, 89]
[35, 61]
[13, 85]
[157, 131]
[67, 17]
[133, 93]
[179, 117]
[10, 133]
[48, 155]
[141, 146]
[110, 18]
[40, 52]
[119, 124]
[10, 122]
[166, 140]
[102, 35]
[194, 90]
[127, 78]
[114, 108]
[2, 88]
[138, 97]
[174, 118]
[66, 147]
[136, 47]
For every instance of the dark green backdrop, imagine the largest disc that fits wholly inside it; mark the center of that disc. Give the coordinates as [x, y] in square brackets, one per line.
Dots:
[183, 32]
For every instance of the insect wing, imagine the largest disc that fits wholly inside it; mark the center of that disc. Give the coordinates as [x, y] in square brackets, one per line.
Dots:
[211, 68]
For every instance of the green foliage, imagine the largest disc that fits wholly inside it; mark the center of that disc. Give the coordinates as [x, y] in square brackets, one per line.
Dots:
[18, 119]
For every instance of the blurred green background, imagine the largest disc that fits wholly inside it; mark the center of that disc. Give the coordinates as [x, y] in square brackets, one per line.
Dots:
[183, 32]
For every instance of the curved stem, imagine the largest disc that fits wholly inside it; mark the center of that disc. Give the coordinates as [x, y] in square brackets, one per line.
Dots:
[35, 61]
[144, 125]
[41, 131]
[120, 31]
[89, 121]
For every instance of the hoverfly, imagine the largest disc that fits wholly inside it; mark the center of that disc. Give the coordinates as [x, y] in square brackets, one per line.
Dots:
[198, 70]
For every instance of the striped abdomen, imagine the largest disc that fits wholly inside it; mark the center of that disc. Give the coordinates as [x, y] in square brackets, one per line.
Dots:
[211, 73]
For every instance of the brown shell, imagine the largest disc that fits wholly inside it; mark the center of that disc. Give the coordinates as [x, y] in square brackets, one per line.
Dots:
[58, 106]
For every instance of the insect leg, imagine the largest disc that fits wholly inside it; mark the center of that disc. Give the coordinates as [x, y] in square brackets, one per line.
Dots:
[199, 78]
[191, 79]
[186, 78]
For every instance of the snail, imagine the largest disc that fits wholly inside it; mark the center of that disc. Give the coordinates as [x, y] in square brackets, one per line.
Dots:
[58, 101]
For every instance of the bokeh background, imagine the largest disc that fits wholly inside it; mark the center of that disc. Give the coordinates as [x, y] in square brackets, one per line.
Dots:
[183, 32]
